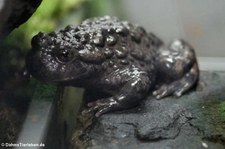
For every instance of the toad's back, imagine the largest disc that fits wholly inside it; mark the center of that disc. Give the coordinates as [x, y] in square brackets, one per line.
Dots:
[112, 41]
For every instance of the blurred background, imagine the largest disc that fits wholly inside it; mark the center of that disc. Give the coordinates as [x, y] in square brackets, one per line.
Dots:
[200, 22]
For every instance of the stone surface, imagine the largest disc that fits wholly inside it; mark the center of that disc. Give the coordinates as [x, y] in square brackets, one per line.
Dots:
[15, 12]
[194, 120]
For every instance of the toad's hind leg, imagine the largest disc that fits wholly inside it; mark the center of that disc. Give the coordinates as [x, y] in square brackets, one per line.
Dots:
[177, 69]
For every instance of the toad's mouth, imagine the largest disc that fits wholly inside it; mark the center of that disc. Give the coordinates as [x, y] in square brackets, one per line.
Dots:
[66, 80]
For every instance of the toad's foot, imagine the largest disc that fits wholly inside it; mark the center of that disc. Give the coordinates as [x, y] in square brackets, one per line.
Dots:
[101, 106]
[178, 87]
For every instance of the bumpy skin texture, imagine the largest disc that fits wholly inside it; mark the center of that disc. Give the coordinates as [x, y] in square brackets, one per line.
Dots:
[116, 58]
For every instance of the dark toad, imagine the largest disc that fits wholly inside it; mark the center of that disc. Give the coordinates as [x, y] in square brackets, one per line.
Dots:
[113, 57]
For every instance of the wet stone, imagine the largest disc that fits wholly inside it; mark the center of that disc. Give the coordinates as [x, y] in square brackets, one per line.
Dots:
[193, 120]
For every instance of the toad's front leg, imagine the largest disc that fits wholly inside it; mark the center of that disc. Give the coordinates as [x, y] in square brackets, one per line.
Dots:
[134, 87]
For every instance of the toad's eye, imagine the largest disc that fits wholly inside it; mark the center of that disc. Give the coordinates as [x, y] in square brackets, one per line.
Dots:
[65, 56]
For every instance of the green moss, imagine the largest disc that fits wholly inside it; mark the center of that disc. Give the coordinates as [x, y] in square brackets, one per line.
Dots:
[44, 92]
[215, 114]
[221, 110]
